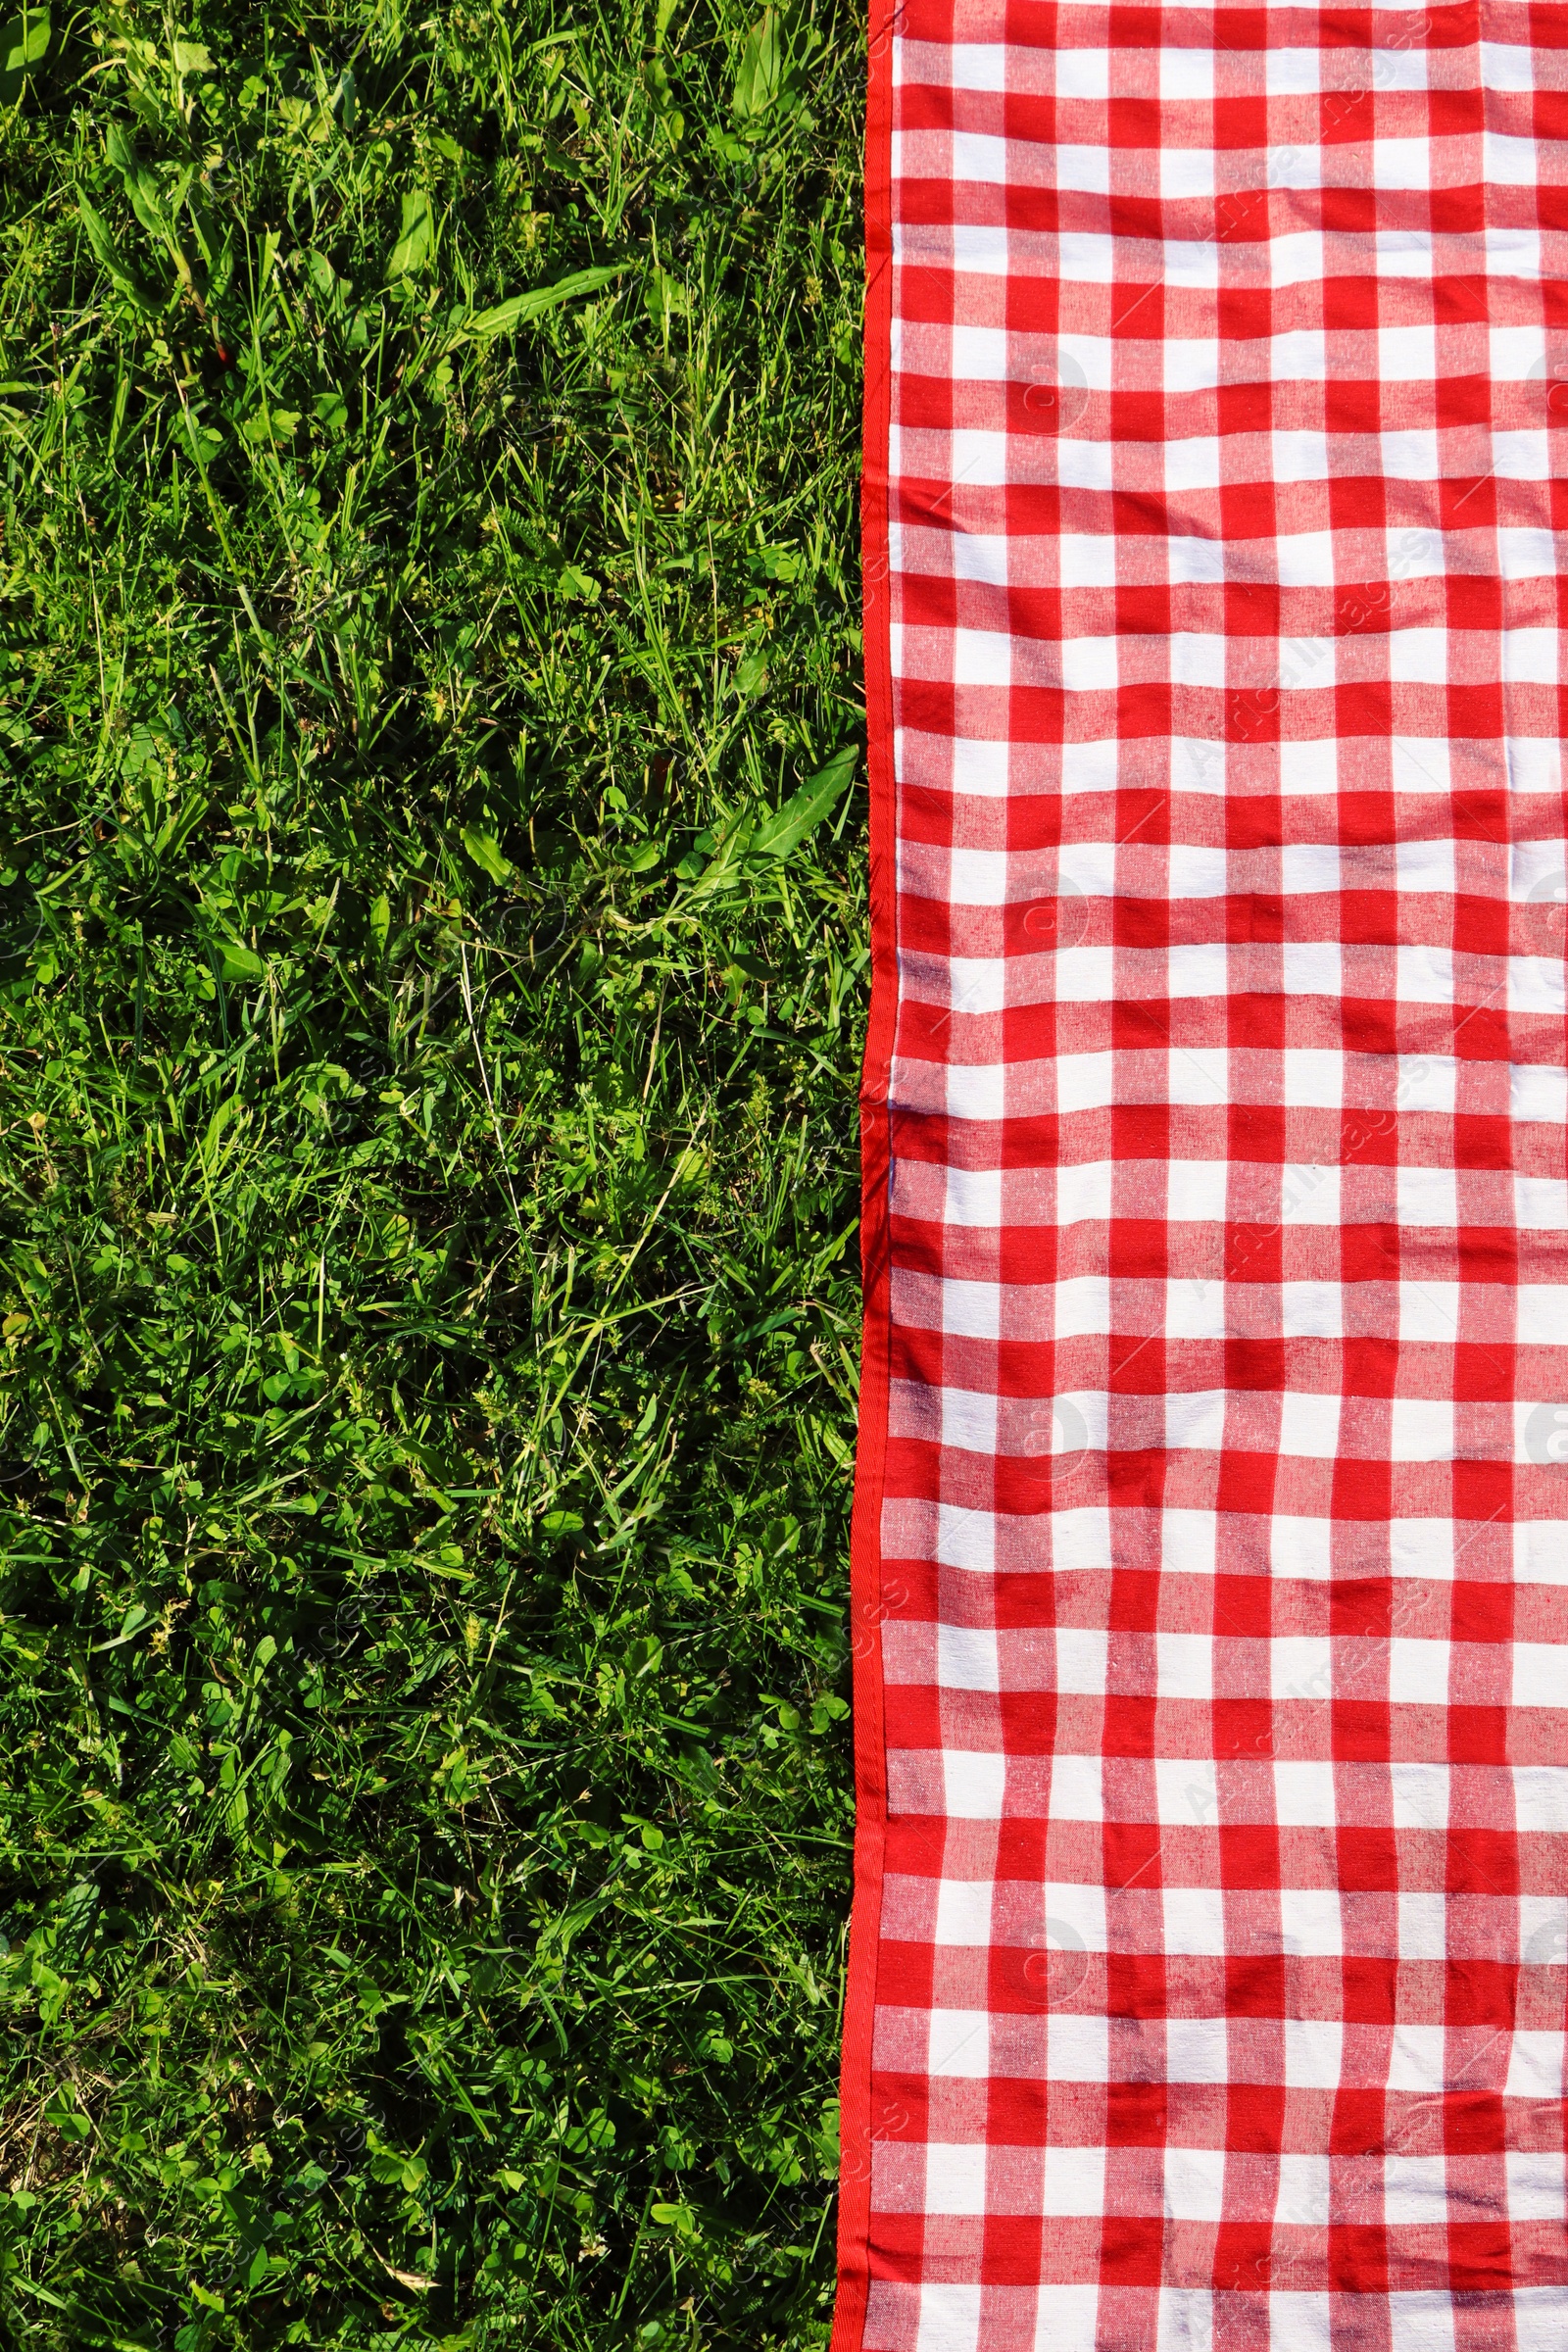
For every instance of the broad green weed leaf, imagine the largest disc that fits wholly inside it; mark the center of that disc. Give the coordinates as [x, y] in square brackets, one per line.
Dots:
[760, 75]
[141, 186]
[24, 46]
[517, 309]
[663, 298]
[415, 238]
[239, 963]
[202, 441]
[783, 832]
[270, 424]
[156, 206]
[223, 1116]
[180, 824]
[110, 258]
[725, 870]
[485, 851]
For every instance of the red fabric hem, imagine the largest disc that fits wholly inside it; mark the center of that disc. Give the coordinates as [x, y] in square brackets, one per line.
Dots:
[865, 1557]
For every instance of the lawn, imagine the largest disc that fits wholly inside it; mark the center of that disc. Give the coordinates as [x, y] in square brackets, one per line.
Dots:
[434, 963]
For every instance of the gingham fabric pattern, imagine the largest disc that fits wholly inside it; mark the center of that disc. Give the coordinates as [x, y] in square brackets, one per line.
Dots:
[1212, 1920]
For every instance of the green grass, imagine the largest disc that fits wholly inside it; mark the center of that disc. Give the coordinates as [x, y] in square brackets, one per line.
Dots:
[427, 1243]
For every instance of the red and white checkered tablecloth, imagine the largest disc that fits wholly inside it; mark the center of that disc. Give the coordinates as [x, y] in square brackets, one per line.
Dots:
[1212, 1549]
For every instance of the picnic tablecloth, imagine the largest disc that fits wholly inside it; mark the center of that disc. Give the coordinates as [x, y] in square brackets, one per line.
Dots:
[1212, 1522]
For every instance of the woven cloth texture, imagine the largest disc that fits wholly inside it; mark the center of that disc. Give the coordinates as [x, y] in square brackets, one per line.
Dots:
[1213, 1911]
